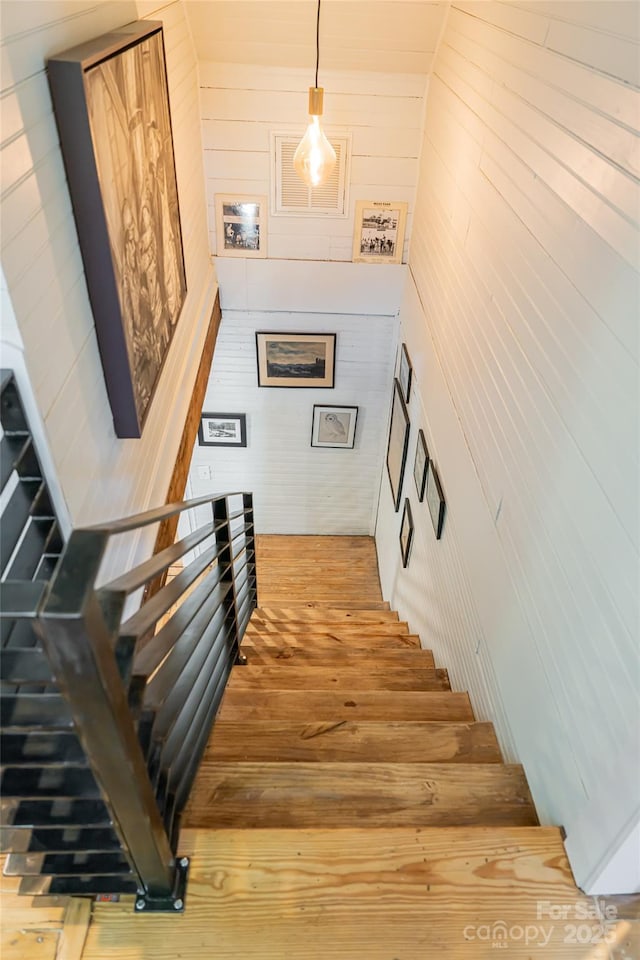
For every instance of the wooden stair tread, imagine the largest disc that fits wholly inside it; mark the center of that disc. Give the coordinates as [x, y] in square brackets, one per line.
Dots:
[287, 655]
[313, 706]
[302, 627]
[335, 638]
[349, 678]
[347, 794]
[323, 615]
[355, 741]
[301, 605]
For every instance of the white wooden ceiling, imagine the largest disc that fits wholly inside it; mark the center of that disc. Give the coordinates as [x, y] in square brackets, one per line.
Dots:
[379, 36]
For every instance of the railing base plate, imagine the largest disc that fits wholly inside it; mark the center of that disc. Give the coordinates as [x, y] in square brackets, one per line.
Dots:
[175, 902]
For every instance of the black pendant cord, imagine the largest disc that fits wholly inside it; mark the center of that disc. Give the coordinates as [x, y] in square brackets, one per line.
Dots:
[317, 42]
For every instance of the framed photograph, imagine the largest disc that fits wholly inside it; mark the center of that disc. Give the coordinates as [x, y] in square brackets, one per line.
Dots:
[435, 499]
[111, 105]
[223, 430]
[379, 231]
[405, 373]
[406, 533]
[334, 426]
[296, 359]
[398, 443]
[420, 464]
[241, 225]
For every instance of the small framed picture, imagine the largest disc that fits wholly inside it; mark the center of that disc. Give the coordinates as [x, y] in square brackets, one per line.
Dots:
[334, 426]
[420, 465]
[435, 499]
[405, 373]
[296, 359]
[398, 443]
[223, 430]
[406, 533]
[241, 225]
[379, 231]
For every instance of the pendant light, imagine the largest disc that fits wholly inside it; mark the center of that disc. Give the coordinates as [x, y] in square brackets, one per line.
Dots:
[315, 158]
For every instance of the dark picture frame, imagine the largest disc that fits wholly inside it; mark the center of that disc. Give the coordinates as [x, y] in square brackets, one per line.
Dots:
[334, 426]
[406, 533]
[222, 430]
[435, 500]
[111, 104]
[398, 444]
[421, 465]
[405, 373]
[295, 359]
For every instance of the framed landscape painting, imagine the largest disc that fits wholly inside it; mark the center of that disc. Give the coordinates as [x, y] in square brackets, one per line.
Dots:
[240, 225]
[334, 426]
[111, 104]
[296, 359]
[223, 430]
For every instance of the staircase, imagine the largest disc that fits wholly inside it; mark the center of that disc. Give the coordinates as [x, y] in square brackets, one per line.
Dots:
[348, 804]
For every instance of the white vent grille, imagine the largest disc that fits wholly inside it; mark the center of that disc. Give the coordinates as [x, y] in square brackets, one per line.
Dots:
[293, 197]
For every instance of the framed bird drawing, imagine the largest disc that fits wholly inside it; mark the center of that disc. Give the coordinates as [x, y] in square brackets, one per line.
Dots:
[334, 426]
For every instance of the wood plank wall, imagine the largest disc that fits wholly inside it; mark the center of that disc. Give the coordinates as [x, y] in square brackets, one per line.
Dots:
[523, 330]
[100, 475]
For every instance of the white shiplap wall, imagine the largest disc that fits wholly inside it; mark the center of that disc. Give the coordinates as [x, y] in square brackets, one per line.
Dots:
[242, 104]
[100, 476]
[524, 334]
[297, 488]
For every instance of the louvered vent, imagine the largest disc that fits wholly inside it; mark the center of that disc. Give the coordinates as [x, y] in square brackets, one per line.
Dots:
[292, 196]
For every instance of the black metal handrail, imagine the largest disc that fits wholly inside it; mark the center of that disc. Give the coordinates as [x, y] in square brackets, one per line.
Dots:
[104, 751]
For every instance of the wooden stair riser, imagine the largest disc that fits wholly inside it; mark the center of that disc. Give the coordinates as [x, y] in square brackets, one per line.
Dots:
[323, 615]
[353, 794]
[302, 605]
[345, 678]
[334, 705]
[286, 655]
[344, 639]
[336, 628]
[349, 741]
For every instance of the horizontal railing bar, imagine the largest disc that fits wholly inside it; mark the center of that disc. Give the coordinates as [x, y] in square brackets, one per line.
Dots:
[24, 666]
[76, 886]
[54, 783]
[159, 562]
[35, 711]
[156, 515]
[21, 598]
[152, 655]
[148, 615]
[24, 749]
[62, 864]
[55, 840]
[47, 813]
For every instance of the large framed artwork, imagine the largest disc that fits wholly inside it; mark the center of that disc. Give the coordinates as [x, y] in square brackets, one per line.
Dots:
[398, 443]
[296, 359]
[111, 104]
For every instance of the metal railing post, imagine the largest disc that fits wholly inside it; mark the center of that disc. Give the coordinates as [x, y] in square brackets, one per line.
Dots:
[80, 649]
[250, 541]
[222, 524]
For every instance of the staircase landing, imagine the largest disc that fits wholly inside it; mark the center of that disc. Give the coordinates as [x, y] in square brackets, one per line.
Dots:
[348, 806]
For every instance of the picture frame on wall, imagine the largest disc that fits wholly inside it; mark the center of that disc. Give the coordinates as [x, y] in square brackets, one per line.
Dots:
[241, 225]
[420, 465]
[334, 426]
[223, 430]
[295, 359]
[398, 444]
[405, 373]
[379, 231]
[435, 500]
[406, 533]
[111, 105]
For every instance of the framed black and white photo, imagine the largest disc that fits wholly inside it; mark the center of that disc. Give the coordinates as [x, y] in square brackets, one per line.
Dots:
[241, 225]
[333, 426]
[379, 231]
[398, 443]
[111, 104]
[420, 464]
[296, 359]
[435, 499]
[406, 533]
[223, 430]
[405, 373]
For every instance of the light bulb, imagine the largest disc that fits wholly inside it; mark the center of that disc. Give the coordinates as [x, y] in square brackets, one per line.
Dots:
[314, 158]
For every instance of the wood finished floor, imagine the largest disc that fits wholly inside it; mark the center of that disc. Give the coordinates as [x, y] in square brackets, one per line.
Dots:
[312, 825]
